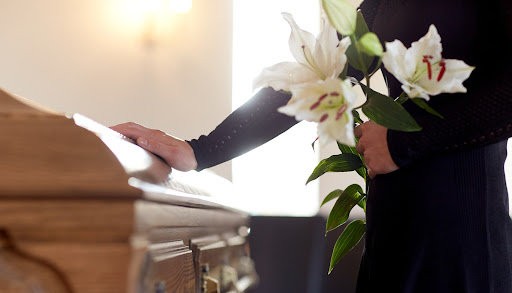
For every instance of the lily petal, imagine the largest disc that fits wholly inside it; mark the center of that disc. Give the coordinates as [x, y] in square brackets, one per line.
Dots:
[325, 55]
[282, 76]
[429, 45]
[393, 60]
[300, 40]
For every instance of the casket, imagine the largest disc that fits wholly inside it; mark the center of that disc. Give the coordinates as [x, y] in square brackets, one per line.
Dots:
[84, 209]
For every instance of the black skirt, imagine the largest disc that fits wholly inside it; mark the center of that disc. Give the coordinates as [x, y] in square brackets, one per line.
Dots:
[440, 225]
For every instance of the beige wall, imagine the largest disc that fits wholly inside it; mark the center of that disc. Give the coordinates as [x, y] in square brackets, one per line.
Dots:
[90, 57]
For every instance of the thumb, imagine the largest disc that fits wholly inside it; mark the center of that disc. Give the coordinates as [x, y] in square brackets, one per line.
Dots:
[371, 173]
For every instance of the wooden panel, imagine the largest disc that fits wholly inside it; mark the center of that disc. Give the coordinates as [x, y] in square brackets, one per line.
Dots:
[151, 214]
[210, 251]
[170, 266]
[88, 267]
[68, 220]
[13, 105]
[46, 154]
[54, 157]
[159, 235]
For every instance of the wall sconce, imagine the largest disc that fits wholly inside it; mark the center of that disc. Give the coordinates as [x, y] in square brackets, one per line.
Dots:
[156, 12]
[180, 6]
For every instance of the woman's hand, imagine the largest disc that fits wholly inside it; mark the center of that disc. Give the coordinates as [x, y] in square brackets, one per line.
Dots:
[176, 152]
[373, 146]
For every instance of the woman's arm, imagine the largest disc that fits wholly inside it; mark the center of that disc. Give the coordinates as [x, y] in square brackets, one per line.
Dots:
[249, 126]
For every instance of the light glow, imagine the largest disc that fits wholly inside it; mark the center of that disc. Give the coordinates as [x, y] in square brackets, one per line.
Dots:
[180, 6]
[271, 179]
[144, 6]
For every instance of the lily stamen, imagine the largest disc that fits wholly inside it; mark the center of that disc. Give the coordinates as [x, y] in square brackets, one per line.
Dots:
[429, 66]
[442, 64]
[317, 103]
[312, 63]
[341, 111]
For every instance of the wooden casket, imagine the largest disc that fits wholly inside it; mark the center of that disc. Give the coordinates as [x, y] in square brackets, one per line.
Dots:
[83, 209]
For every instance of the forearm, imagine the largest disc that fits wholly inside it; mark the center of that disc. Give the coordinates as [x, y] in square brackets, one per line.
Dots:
[251, 125]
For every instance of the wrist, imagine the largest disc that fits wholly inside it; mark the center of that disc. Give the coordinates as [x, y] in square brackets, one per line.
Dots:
[190, 161]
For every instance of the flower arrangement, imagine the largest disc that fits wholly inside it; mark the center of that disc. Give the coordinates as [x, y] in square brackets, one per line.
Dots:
[321, 91]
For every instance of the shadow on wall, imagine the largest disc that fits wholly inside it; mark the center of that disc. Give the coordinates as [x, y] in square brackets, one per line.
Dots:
[292, 255]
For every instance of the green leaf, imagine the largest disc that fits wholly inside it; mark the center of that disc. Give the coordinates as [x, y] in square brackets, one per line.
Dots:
[342, 15]
[423, 104]
[361, 26]
[341, 210]
[357, 117]
[362, 172]
[371, 45]
[313, 144]
[332, 195]
[359, 61]
[385, 111]
[336, 163]
[362, 204]
[347, 241]
[402, 98]
[345, 149]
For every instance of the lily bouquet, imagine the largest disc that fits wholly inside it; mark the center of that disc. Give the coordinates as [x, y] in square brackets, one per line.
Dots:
[321, 91]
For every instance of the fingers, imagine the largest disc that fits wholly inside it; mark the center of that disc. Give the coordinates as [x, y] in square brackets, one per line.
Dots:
[150, 145]
[360, 148]
[178, 154]
[134, 131]
[130, 129]
[358, 131]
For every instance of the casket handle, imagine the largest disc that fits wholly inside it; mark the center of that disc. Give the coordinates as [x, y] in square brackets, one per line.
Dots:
[208, 284]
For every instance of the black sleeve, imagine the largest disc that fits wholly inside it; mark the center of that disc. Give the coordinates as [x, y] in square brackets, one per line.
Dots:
[479, 117]
[249, 126]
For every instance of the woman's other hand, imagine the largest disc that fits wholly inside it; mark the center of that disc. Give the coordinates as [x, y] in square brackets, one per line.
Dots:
[176, 152]
[373, 146]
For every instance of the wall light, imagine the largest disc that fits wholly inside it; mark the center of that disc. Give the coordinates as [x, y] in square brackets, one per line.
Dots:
[154, 21]
[180, 6]
[149, 6]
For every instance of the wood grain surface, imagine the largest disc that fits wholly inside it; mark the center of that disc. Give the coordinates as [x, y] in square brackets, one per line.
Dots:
[66, 204]
[88, 267]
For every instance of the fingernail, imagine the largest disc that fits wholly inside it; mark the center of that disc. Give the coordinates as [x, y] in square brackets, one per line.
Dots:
[142, 142]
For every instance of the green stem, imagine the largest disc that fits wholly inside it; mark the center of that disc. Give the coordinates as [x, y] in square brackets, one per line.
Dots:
[360, 57]
[376, 67]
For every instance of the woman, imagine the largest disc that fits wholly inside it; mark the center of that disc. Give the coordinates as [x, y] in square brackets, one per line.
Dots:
[437, 212]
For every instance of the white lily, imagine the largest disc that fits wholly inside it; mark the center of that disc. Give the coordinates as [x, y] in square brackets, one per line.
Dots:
[421, 68]
[316, 58]
[328, 102]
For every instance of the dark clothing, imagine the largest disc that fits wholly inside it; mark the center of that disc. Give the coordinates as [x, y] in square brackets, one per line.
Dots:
[440, 223]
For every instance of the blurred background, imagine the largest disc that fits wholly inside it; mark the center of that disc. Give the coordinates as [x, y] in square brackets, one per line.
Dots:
[177, 65]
